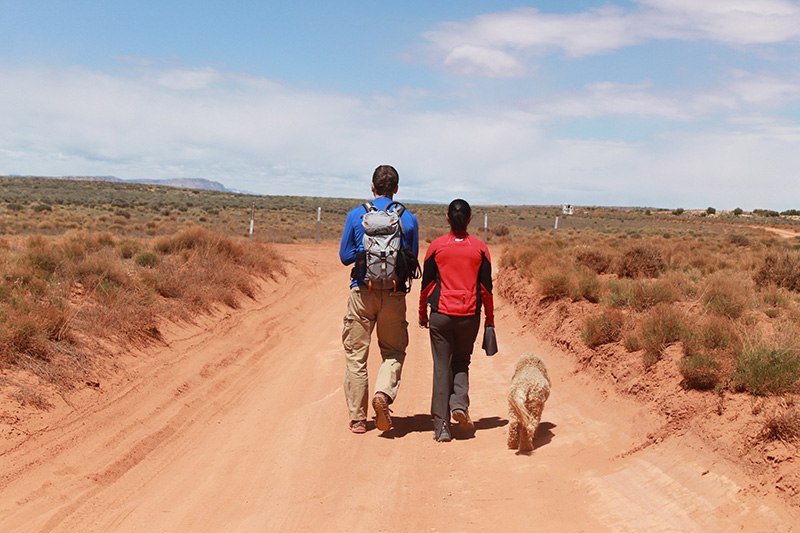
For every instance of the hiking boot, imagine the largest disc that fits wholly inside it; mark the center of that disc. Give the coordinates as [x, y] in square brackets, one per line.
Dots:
[444, 434]
[462, 417]
[381, 405]
[358, 426]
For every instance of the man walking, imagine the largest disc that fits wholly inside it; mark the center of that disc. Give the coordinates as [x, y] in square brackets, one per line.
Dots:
[371, 305]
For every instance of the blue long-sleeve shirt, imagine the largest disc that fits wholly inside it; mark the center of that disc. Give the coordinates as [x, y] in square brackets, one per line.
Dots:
[353, 233]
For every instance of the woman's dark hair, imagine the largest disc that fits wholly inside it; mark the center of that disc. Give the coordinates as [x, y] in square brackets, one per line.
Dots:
[459, 214]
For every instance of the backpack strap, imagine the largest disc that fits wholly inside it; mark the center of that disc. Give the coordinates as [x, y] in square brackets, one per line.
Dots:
[400, 209]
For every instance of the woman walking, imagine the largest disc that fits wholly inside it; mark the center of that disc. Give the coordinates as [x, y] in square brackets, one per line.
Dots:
[456, 282]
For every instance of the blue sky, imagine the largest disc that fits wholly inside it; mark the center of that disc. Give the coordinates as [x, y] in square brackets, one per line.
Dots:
[657, 103]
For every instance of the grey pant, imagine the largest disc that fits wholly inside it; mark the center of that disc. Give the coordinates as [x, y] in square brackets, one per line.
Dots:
[452, 339]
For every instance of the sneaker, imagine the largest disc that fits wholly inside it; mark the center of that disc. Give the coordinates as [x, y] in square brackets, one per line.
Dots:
[462, 417]
[358, 426]
[444, 434]
[381, 405]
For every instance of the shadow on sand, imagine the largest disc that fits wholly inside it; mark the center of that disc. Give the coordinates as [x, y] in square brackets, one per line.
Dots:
[403, 425]
[544, 434]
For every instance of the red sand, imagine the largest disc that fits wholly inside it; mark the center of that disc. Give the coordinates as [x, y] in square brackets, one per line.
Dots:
[239, 423]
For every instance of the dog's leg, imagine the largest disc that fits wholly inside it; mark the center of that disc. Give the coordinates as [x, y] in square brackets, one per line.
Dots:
[513, 434]
[534, 409]
[517, 415]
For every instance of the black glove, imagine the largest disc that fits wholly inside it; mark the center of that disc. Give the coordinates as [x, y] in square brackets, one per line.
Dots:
[489, 340]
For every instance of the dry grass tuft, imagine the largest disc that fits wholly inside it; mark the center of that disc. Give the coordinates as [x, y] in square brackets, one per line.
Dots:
[603, 328]
[726, 295]
[782, 425]
[662, 326]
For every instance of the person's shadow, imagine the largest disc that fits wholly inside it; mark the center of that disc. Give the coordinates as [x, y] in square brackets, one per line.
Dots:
[403, 425]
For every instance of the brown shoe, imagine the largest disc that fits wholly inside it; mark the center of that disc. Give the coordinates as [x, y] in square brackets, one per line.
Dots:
[381, 405]
[462, 417]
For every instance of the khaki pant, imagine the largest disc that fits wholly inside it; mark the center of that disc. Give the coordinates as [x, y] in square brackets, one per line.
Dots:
[365, 310]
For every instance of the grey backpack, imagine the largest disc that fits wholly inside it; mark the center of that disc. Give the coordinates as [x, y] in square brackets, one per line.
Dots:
[382, 243]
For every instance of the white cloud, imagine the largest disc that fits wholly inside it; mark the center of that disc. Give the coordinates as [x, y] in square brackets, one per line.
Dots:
[734, 21]
[515, 35]
[476, 60]
[255, 134]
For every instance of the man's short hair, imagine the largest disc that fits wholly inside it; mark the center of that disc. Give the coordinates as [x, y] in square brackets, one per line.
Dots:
[385, 180]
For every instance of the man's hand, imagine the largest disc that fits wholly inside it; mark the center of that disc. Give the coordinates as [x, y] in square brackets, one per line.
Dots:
[423, 321]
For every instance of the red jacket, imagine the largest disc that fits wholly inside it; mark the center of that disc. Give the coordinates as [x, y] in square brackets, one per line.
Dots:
[457, 278]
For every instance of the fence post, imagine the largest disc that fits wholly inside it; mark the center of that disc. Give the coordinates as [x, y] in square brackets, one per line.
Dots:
[252, 218]
[555, 230]
[486, 227]
[319, 216]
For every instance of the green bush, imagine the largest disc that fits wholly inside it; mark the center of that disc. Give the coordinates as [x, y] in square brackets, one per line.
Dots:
[764, 369]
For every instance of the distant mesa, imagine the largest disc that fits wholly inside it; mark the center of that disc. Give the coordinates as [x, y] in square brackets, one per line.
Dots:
[186, 183]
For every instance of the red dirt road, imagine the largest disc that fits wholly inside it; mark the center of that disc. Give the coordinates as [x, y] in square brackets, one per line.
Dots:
[239, 424]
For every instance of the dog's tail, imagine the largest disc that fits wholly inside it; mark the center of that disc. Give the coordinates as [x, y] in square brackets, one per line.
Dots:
[516, 402]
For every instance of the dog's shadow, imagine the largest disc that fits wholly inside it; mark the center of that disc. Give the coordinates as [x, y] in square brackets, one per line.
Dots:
[403, 425]
[544, 435]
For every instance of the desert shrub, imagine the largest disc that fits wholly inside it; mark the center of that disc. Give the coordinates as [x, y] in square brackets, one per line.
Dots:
[632, 343]
[738, 240]
[44, 260]
[15, 207]
[678, 212]
[766, 368]
[146, 259]
[99, 272]
[782, 425]
[603, 328]
[594, 259]
[640, 261]
[587, 286]
[775, 296]
[700, 371]
[640, 294]
[555, 283]
[500, 230]
[718, 333]
[662, 326]
[782, 270]
[28, 326]
[738, 211]
[726, 296]
[128, 248]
